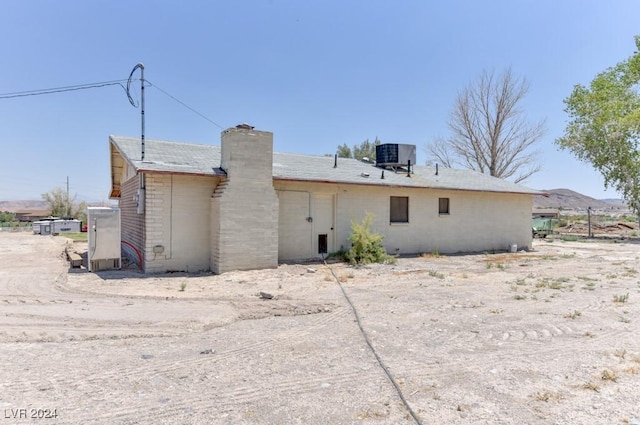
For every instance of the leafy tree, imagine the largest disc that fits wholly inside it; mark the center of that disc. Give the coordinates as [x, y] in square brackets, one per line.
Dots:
[7, 217]
[365, 149]
[604, 126]
[62, 205]
[489, 132]
[344, 151]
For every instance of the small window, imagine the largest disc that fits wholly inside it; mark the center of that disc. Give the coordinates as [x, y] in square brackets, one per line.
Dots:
[399, 209]
[443, 206]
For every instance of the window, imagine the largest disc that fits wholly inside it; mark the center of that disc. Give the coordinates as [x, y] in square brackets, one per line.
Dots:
[443, 206]
[399, 211]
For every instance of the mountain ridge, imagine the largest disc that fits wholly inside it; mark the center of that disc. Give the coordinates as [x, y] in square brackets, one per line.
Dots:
[565, 199]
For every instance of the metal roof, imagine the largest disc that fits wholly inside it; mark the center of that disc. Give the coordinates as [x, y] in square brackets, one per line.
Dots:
[188, 158]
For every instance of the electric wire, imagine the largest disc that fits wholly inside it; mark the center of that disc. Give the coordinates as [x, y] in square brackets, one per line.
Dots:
[373, 350]
[127, 90]
[183, 104]
[63, 89]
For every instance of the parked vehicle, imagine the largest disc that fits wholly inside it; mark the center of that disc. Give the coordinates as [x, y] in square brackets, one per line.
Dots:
[541, 227]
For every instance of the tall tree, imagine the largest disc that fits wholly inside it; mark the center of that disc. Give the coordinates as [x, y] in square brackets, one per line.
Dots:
[7, 217]
[365, 149]
[489, 130]
[344, 151]
[604, 126]
[62, 205]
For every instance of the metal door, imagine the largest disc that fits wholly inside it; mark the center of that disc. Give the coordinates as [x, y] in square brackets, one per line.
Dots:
[294, 225]
[323, 223]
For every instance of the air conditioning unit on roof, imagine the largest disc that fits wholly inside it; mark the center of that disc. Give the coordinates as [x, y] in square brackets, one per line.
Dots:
[395, 155]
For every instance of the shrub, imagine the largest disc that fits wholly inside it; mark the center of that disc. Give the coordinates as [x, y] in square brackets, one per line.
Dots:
[366, 246]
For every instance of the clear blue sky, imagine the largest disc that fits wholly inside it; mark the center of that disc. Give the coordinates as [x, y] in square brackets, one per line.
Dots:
[315, 73]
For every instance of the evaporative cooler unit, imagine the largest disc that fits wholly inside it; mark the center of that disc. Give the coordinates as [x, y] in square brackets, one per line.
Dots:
[395, 155]
[103, 229]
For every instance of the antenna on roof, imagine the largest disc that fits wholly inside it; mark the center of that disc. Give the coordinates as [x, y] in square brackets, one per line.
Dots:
[133, 102]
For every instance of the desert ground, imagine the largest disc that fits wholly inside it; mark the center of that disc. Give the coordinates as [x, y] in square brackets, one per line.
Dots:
[550, 336]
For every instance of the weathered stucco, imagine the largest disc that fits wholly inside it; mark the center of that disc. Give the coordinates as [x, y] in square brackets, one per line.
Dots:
[478, 221]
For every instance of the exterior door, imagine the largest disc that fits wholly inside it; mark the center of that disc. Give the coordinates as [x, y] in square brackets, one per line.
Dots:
[323, 223]
[294, 225]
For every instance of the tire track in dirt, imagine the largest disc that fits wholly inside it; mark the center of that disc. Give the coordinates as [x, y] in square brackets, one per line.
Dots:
[560, 346]
[234, 397]
[137, 372]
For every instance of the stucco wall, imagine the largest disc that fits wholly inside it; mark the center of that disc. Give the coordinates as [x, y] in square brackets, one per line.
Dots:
[478, 221]
[178, 222]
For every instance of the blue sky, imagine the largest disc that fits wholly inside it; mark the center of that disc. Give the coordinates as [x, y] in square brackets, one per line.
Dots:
[315, 73]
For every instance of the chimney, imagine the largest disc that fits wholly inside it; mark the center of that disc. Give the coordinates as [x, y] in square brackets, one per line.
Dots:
[244, 205]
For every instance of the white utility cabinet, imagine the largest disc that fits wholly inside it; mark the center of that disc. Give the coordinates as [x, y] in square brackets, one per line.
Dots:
[103, 229]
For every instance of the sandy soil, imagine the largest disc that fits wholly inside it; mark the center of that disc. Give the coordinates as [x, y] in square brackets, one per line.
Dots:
[545, 337]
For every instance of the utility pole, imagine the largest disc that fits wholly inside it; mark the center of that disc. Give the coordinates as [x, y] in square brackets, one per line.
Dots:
[139, 66]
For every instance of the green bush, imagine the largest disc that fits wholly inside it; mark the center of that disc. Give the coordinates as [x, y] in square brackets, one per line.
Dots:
[366, 246]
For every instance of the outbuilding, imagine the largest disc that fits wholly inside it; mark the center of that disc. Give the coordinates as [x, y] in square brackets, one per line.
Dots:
[237, 206]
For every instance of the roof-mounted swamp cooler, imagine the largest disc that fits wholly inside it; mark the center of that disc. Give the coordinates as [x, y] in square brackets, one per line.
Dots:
[395, 155]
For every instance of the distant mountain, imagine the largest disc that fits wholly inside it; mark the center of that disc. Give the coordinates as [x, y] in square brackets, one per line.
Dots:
[558, 198]
[13, 206]
[569, 200]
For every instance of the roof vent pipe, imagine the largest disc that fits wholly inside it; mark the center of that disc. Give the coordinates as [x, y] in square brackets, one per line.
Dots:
[335, 161]
[409, 169]
[436, 169]
[382, 176]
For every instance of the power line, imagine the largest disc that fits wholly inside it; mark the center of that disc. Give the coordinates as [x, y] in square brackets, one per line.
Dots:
[185, 105]
[103, 84]
[62, 89]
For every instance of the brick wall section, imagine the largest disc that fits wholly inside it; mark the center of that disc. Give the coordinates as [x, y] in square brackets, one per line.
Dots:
[244, 208]
[132, 223]
[177, 222]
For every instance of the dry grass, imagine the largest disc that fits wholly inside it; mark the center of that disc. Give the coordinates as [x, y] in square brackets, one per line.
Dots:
[591, 386]
[609, 375]
[547, 396]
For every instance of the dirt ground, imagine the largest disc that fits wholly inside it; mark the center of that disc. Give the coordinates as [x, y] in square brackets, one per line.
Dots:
[544, 337]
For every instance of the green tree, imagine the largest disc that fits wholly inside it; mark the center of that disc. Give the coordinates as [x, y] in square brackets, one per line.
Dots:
[7, 217]
[62, 205]
[344, 151]
[604, 126]
[365, 149]
[489, 131]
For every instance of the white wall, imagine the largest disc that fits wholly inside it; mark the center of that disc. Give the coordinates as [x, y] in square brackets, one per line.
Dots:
[478, 221]
[178, 222]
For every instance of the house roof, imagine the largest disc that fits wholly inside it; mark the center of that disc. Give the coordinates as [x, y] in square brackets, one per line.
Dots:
[187, 158]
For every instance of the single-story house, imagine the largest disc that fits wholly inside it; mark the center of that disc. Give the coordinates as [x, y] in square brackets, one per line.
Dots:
[32, 215]
[545, 213]
[237, 206]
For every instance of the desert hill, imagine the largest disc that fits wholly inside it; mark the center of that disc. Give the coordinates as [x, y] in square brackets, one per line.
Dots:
[13, 206]
[567, 199]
